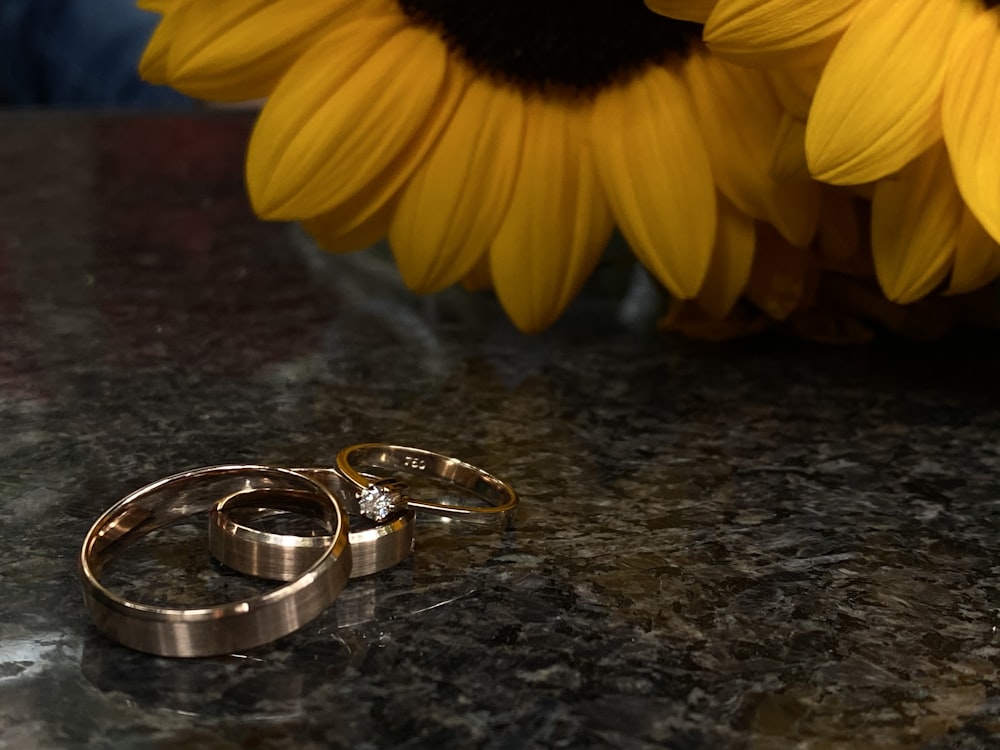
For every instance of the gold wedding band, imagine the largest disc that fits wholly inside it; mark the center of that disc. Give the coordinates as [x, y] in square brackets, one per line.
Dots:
[282, 557]
[501, 498]
[222, 628]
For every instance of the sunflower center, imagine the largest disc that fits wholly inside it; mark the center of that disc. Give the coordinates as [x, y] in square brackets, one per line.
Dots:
[991, 3]
[578, 46]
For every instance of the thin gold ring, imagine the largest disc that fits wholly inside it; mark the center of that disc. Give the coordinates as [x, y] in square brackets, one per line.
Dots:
[282, 557]
[501, 498]
[216, 629]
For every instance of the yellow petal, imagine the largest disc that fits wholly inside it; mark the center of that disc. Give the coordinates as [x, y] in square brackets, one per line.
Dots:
[153, 63]
[739, 115]
[683, 10]
[478, 278]
[357, 111]
[795, 86]
[877, 104]
[788, 151]
[977, 257]
[769, 32]
[782, 278]
[732, 257]
[238, 49]
[451, 208]
[657, 177]
[557, 223]
[794, 210]
[970, 113]
[915, 219]
[334, 235]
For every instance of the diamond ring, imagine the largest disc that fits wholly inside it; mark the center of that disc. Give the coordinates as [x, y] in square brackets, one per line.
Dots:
[498, 499]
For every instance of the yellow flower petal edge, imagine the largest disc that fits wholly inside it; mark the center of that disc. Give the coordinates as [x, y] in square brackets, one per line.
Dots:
[769, 32]
[334, 233]
[657, 177]
[795, 87]
[977, 257]
[478, 278]
[153, 63]
[788, 151]
[732, 258]
[739, 116]
[241, 48]
[557, 223]
[876, 107]
[970, 113]
[342, 225]
[915, 220]
[453, 204]
[343, 116]
[684, 10]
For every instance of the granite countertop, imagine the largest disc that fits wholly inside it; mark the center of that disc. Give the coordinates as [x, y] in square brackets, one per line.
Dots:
[761, 544]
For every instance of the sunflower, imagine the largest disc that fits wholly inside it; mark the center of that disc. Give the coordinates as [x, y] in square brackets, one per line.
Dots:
[897, 96]
[903, 98]
[497, 144]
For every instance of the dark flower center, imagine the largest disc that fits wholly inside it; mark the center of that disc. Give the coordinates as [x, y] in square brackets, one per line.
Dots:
[991, 3]
[575, 46]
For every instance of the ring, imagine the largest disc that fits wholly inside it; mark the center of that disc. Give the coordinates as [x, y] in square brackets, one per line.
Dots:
[282, 557]
[216, 629]
[501, 498]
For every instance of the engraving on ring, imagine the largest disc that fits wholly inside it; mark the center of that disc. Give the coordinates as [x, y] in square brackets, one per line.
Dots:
[415, 462]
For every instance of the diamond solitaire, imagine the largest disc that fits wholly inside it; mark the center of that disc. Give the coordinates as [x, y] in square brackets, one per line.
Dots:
[382, 498]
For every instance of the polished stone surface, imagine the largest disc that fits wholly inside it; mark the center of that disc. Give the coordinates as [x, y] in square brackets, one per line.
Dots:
[766, 544]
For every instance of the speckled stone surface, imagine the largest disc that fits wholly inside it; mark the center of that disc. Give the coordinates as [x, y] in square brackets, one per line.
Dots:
[761, 545]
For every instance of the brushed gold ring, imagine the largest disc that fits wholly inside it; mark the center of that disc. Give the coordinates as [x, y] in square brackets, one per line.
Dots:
[216, 629]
